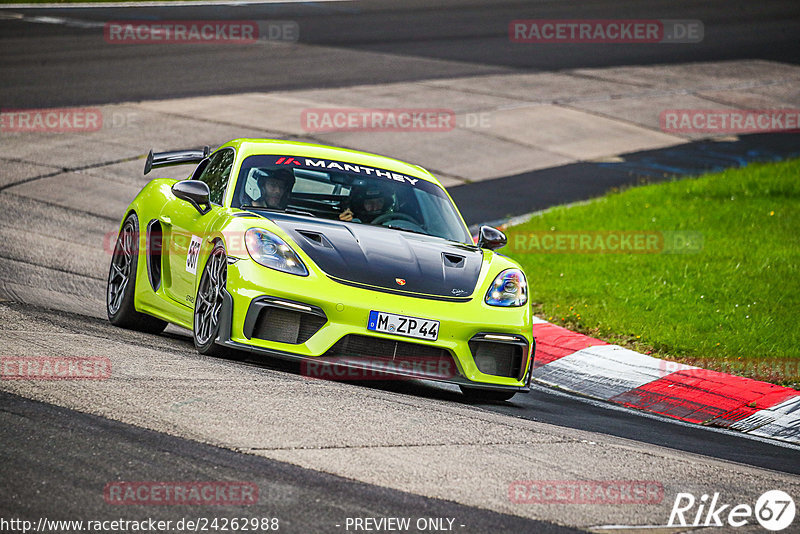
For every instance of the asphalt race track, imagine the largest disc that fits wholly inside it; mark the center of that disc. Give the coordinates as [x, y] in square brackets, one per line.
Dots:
[320, 452]
[299, 497]
[356, 43]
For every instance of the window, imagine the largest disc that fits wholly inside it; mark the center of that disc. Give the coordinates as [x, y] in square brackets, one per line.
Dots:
[327, 189]
[215, 174]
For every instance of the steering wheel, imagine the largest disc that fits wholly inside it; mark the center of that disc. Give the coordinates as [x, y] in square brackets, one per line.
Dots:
[392, 216]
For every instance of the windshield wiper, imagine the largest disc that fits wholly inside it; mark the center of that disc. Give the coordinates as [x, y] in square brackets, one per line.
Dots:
[275, 210]
[407, 230]
[299, 212]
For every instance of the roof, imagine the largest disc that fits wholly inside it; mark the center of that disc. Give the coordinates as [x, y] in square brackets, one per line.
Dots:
[247, 147]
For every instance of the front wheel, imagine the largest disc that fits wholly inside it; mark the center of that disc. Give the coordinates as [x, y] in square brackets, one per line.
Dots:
[208, 304]
[482, 395]
[122, 283]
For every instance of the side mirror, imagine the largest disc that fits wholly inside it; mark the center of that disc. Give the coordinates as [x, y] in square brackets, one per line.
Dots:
[195, 193]
[491, 238]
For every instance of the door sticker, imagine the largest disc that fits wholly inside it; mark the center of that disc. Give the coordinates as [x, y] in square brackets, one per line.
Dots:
[193, 254]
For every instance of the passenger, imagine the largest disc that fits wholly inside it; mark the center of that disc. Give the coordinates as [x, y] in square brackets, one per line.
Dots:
[367, 203]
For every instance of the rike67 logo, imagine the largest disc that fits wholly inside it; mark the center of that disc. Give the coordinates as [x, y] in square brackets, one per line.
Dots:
[774, 510]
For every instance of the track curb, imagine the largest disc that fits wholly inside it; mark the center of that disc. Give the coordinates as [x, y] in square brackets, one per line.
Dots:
[587, 366]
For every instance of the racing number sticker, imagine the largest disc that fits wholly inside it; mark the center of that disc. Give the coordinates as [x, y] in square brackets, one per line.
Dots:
[193, 254]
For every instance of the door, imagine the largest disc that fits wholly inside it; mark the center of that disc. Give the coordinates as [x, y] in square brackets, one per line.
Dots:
[189, 230]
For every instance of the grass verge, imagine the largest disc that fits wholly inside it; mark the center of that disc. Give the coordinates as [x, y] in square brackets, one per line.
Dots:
[710, 274]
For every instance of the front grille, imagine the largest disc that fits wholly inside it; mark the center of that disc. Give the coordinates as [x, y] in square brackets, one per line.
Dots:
[421, 361]
[378, 347]
[286, 326]
[498, 359]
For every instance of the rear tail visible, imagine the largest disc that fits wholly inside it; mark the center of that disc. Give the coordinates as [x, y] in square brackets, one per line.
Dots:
[176, 157]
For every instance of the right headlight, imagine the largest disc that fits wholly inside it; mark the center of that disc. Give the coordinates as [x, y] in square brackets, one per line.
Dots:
[508, 289]
[271, 251]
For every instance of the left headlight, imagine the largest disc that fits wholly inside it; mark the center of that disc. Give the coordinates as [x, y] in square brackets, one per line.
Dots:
[271, 251]
[508, 289]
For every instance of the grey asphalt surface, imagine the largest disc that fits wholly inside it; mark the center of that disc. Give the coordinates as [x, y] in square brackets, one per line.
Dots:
[59, 459]
[490, 201]
[349, 43]
[81, 453]
[413, 437]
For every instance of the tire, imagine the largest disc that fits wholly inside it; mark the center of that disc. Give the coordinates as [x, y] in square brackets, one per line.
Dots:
[121, 286]
[208, 303]
[485, 395]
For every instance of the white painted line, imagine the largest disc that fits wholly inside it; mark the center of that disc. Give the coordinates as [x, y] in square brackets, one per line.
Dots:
[674, 528]
[177, 3]
[75, 23]
[263, 25]
[605, 371]
[525, 217]
[655, 529]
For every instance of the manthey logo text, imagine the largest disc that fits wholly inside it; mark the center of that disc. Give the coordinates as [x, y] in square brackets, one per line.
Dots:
[345, 167]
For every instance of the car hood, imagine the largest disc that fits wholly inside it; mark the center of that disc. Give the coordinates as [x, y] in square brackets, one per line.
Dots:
[375, 256]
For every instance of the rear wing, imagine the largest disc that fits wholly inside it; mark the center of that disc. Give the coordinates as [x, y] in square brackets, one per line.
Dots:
[176, 157]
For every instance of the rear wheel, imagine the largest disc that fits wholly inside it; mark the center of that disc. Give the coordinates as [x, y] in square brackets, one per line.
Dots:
[208, 304]
[477, 394]
[122, 283]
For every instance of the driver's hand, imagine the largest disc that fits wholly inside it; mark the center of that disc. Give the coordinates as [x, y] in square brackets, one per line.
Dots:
[346, 215]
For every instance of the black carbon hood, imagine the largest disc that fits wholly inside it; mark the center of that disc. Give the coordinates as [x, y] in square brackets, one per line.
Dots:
[398, 261]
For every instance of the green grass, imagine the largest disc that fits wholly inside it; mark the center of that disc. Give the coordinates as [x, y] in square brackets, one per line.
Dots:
[732, 306]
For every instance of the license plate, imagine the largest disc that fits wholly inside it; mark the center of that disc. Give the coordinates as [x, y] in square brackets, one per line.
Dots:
[402, 325]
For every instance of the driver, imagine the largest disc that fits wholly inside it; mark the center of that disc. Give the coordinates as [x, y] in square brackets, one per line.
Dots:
[367, 203]
[275, 187]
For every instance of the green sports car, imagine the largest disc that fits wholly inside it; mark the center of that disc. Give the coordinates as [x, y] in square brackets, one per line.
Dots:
[339, 259]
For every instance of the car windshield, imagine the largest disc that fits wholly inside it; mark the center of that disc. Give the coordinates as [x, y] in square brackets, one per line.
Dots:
[347, 192]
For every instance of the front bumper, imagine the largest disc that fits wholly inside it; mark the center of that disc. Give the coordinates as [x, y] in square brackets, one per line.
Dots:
[344, 311]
